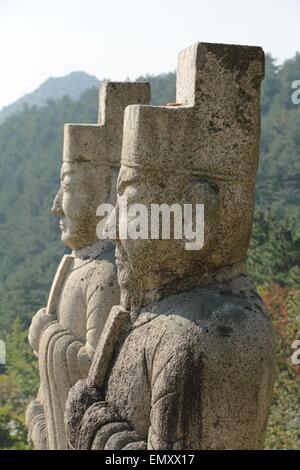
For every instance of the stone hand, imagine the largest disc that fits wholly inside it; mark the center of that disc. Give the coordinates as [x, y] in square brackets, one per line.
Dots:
[81, 397]
[39, 322]
[92, 423]
[102, 429]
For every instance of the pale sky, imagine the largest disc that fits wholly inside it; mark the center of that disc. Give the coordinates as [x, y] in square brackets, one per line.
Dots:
[127, 38]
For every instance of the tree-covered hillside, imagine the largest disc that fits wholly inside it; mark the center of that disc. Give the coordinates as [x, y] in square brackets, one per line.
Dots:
[279, 175]
[72, 85]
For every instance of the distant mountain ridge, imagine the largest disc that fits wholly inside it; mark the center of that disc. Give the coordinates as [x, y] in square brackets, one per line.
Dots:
[73, 85]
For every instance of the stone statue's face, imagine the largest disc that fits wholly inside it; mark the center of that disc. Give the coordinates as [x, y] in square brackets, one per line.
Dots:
[160, 260]
[83, 188]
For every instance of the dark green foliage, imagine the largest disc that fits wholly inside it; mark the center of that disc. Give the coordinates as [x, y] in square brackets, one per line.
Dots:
[274, 254]
[163, 87]
[278, 182]
[16, 388]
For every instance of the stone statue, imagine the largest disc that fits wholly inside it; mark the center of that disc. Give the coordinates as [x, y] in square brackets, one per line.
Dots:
[187, 360]
[65, 333]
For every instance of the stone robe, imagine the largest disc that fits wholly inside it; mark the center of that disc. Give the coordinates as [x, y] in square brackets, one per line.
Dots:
[195, 371]
[67, 344]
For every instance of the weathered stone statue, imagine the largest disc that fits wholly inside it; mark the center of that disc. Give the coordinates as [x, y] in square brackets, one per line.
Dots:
[187, 360]
[66, 333]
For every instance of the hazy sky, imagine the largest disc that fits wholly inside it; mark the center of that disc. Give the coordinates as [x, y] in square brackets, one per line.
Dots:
[127, 38]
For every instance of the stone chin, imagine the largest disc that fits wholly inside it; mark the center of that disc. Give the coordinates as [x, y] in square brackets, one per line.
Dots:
[66, 234]
[70, 239]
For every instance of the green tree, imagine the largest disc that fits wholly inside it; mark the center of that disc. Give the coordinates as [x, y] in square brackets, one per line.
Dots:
[17, 387]
[274, 254]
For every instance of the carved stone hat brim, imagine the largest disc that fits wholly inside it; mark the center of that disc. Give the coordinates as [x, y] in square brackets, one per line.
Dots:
[224, 178]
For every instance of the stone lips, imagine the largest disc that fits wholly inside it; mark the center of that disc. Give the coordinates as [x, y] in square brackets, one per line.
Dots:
[96, 143]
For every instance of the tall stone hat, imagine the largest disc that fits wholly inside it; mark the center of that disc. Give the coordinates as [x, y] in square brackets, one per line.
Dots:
[214, 127]
[101, 143]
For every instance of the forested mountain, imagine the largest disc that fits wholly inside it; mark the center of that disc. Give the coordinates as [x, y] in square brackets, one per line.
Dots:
[72, 85]
[279, 176]
[30, 158]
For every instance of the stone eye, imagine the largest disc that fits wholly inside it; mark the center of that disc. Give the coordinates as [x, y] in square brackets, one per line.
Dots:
[206, 182]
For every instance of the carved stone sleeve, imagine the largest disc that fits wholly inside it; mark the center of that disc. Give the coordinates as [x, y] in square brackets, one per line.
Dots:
[175, 392]
[101, 293]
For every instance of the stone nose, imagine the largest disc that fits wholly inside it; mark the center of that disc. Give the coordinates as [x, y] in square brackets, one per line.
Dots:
[56, 208]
